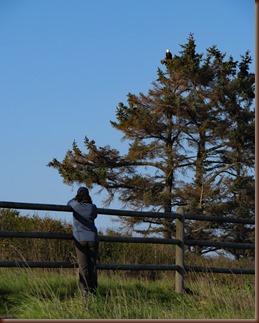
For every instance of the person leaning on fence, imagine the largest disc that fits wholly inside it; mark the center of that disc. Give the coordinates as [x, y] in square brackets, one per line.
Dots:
[86, 239]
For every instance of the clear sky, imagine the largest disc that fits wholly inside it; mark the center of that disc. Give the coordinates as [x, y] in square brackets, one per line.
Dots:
[66, 64]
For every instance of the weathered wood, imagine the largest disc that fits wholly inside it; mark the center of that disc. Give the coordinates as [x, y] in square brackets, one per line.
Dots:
[172, 215]
[67, 236]
[220, 270]
[67, 208]
[223, 245]
[179, 254]
[60, 264]
[221, 219]
[33, 235]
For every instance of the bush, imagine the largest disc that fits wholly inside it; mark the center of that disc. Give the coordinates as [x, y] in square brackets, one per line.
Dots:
[28, 249]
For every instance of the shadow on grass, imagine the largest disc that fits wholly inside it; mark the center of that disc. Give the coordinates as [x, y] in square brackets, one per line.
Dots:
[8, 299]
[142, 291]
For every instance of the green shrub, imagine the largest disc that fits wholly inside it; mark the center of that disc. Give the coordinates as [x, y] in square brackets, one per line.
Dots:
[34, 249]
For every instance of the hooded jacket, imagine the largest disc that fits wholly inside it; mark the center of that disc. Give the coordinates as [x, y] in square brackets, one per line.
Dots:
[84, 214]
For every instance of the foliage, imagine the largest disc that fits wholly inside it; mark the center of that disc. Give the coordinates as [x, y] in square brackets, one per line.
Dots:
[191, 143]
[34, 249]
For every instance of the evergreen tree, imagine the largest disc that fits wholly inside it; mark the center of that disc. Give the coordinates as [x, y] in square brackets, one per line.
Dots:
[191, 142]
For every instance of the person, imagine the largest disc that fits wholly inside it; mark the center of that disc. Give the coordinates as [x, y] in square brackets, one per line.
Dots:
[86, 239]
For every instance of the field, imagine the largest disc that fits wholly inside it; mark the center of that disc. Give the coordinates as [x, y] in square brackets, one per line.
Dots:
[53, 294]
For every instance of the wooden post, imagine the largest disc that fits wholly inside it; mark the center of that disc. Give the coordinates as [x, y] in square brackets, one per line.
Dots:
[179, 253]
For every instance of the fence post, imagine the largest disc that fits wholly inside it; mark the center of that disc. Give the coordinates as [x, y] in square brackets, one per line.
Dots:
[179, 252]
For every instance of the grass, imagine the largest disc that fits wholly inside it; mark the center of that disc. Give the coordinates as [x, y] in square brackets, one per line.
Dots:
[54, 294]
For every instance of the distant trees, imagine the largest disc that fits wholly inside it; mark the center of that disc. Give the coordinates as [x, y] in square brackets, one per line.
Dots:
[191, 143]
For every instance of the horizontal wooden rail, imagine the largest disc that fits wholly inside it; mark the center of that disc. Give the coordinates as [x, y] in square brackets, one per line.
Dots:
[138, 267]
[57, 264]
[67, 208]
[172, 215]
[33, 235]
[220, 270]
[221, 219]
[232, 245]
[67, 236]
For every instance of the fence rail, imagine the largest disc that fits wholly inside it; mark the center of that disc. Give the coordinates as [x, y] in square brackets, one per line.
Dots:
[151, 267]
[180, 268]
[172, 215]
[66, 236]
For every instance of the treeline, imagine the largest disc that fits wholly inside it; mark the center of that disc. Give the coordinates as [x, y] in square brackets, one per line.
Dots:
[36, 249]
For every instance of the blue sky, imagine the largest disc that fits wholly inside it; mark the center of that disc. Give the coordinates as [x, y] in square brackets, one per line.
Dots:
[66, 64]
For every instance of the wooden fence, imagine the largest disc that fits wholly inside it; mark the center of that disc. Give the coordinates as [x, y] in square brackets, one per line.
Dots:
[180, 268]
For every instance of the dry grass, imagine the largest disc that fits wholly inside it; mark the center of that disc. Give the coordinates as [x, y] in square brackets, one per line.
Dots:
[48, 294]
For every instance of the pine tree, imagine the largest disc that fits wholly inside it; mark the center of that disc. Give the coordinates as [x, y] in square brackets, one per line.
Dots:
[191, 141]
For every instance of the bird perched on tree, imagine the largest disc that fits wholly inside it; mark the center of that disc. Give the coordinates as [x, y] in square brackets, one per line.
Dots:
[168, 54]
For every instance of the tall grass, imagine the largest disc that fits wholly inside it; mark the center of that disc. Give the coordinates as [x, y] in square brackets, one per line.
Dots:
[54, 294]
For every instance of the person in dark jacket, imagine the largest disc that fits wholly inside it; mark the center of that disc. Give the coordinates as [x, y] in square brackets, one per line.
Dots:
[86, 239]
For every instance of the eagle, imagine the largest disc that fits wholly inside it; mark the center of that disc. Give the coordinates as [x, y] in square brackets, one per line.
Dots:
[168, 54]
